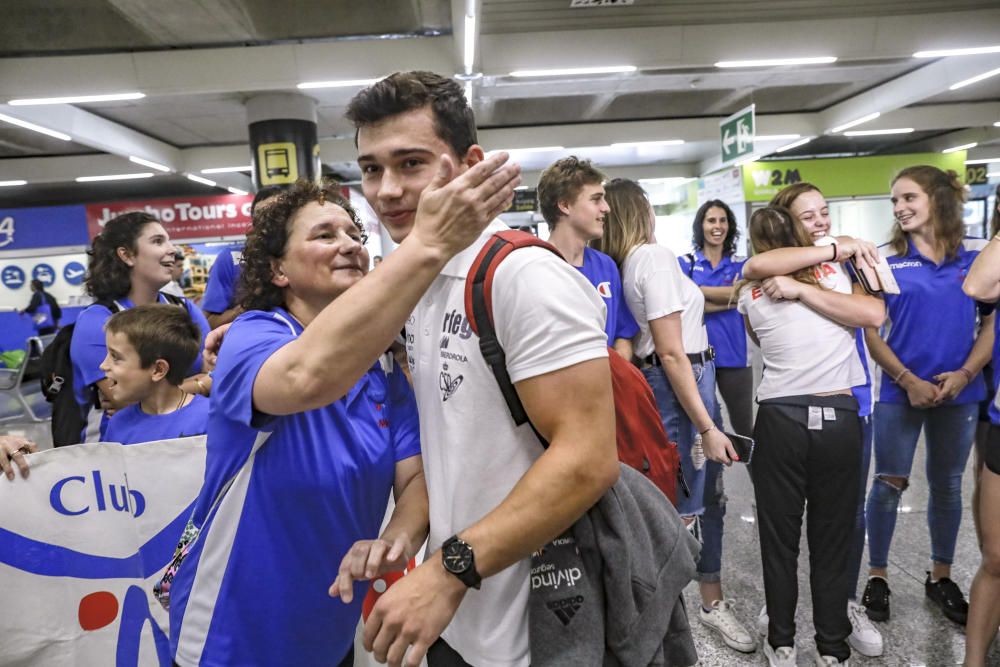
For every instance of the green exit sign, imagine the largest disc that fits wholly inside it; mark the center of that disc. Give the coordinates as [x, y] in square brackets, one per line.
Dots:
[736, 134]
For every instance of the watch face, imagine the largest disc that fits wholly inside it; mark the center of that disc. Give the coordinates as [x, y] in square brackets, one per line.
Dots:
[457, 557]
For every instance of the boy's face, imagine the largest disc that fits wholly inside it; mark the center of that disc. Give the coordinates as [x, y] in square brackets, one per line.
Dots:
[130, 381]
[586, 214]
[399, 157]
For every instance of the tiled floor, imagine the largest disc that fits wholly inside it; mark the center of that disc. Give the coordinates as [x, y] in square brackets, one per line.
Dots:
[916, 635]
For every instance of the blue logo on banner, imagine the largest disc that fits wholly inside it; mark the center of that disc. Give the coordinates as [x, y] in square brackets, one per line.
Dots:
[44, 274]
[74, 273]
[12, 277]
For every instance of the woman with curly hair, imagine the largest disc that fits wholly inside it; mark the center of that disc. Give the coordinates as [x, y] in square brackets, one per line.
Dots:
[930, 383]
[131, 260]
[300, 463]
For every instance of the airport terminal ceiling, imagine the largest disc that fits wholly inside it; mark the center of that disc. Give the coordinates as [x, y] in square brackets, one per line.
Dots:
[197, 62]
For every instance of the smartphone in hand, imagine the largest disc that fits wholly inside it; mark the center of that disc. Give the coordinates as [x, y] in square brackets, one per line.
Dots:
[742, 445]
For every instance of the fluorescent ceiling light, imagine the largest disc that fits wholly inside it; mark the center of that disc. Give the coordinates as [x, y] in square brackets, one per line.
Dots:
[237, 191]
[37, 128]
[857, 121]
[199, 179]
[776, 62]
[114, 177]
[975, 79]
[647, 144]
[874, 133]
[996, 124]
[776, 137]
[345, 83]
[983, 161]
[570, 71]
[944, 53]
[794, 144]
[963, 147]
[470, 43]
[148, 163]
[76, 99]
[6, 184]
[226, 170]
[468, 91]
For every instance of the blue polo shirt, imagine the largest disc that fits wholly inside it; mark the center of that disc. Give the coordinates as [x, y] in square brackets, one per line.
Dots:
[602, 272]
[931, 322]
[131, 425]
[726, 331]
[220, 292]
[253, 590]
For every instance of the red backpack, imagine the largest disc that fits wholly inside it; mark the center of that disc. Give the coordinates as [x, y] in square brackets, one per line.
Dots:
[642, 442]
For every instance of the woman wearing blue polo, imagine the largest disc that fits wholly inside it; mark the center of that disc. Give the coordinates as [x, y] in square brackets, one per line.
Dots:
[714, 267]
[299, 466]
[931, 361]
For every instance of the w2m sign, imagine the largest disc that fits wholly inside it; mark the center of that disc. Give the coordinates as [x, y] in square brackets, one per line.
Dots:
[736, 134]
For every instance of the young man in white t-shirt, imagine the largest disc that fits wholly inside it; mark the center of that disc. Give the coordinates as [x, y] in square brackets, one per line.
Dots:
[495, 494]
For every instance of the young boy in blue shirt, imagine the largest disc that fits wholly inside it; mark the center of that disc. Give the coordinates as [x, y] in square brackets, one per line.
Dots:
[150, 348]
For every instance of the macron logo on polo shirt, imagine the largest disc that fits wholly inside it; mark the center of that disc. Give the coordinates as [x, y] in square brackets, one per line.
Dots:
[913, 263]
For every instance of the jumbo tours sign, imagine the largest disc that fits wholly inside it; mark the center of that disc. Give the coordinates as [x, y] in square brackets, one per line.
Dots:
[185, 218]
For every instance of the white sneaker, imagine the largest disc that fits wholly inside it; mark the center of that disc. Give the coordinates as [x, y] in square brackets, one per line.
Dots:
[722, 620]
[783, 656]
[762, 621]
[864, 639]
[828, 661]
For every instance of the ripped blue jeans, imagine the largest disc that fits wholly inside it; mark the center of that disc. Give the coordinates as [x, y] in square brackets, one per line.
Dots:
[949, 431]
[707, 497]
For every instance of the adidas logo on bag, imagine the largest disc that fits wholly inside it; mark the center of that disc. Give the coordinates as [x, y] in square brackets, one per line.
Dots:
[566, 608]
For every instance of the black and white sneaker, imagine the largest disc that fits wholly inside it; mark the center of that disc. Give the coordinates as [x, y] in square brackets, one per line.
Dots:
[946, 594]
[876, 599]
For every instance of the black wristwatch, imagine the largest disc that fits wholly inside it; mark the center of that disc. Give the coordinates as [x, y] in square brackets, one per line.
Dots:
[457, 558]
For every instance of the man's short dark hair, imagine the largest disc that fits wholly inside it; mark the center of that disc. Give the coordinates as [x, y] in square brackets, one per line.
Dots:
[401, 92]
[160, 331]
[562, 181]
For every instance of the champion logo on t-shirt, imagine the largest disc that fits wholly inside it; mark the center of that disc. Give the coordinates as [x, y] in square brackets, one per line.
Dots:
[604, 289]
[756, 293]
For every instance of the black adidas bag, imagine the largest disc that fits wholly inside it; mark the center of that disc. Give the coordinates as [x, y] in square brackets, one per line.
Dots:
[56, 368]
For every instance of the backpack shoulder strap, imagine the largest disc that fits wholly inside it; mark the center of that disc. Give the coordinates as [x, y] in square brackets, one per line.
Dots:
[174, 299]
[479, 308]
[690, 259]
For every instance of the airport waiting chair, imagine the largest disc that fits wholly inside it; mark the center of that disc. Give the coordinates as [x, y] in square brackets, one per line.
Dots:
[12, 380]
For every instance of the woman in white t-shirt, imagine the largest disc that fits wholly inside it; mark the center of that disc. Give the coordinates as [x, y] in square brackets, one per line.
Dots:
[807, 431]
[672, 347]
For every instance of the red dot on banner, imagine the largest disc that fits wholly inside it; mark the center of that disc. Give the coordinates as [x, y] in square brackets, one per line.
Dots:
[98, 610]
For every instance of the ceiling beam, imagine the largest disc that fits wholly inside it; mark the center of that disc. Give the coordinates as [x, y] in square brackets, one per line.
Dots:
[926, 82]
[202, 21]
[213, 71]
